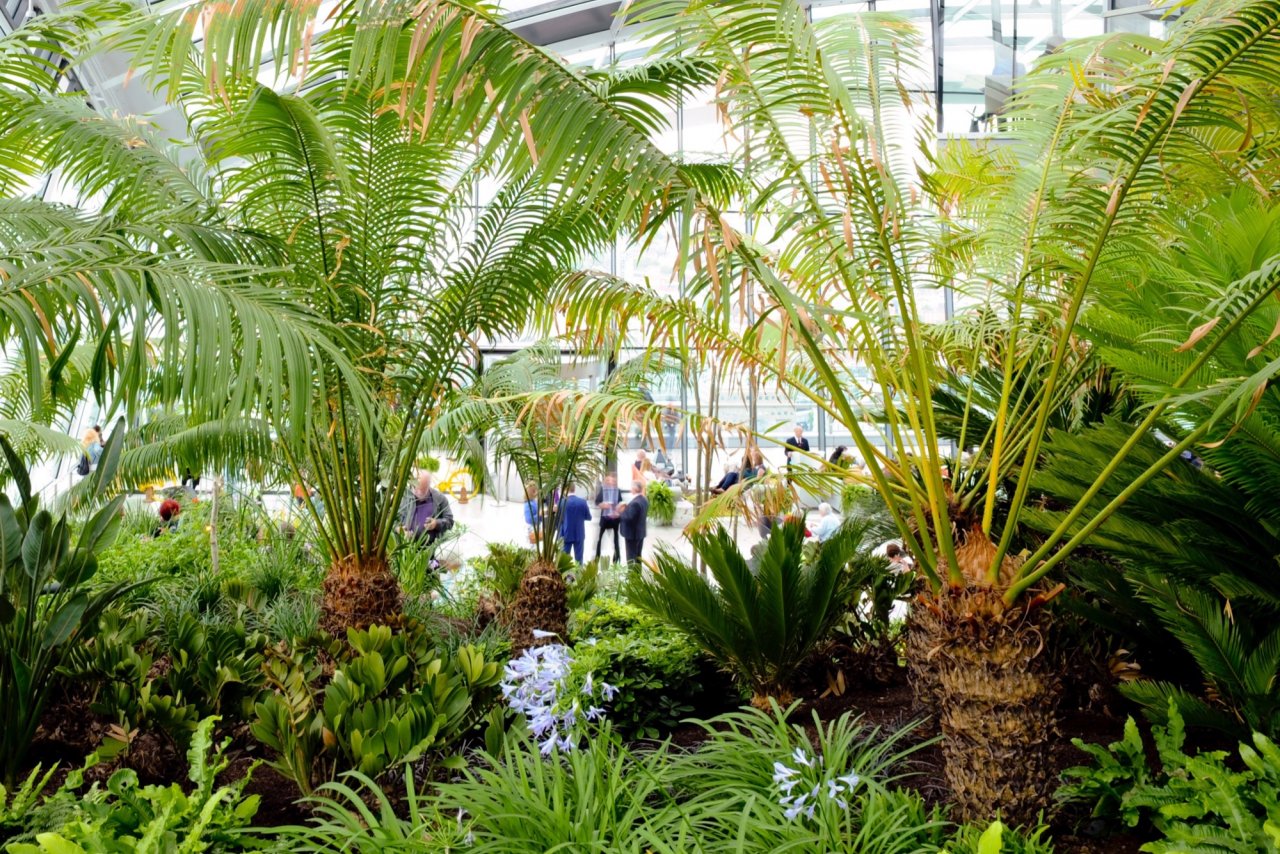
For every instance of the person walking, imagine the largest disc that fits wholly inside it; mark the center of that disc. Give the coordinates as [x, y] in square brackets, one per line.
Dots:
[609, 503]
[425, 513]
[575, 513]
[632, 525]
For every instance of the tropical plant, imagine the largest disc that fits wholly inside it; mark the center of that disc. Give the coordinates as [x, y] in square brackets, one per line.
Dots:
[1112, 141]
[601, 794]
[761, 782]
[1200, 802]
[129, 817]
[1198, 545]
[47, 604]
[758, 622]
[391, 700]
[551, 448]
[140, 260]
[662, 502]
[353, 170]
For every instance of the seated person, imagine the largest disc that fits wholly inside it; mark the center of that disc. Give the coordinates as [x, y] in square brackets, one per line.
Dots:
[826, 524]
[729, 480]
[642, 468]
[169, 511]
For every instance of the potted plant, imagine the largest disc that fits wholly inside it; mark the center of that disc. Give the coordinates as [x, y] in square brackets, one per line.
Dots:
[662, 502]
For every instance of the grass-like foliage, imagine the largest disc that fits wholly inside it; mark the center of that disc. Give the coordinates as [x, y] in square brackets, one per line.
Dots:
[759, 622]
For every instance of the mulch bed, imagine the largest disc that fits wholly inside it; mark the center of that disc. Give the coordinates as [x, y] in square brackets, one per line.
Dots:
[70, 731]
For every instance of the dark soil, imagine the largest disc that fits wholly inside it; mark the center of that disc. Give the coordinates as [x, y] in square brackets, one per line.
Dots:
[70, 731]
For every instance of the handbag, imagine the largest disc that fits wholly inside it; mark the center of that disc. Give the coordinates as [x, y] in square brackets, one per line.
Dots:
[82, 467]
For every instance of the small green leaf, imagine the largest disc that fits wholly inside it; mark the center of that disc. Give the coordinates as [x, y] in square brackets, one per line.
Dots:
[992, 839]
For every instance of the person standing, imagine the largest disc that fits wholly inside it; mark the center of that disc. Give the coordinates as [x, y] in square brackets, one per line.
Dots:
[425, 513]
[632, 521]
[575, 513]
[533, 513]
[609, 503]
[91, 451]
[797, 442]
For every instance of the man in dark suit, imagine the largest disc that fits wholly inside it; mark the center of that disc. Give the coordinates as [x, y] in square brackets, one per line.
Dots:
[609, 503]
[632, 523]
[574, 516]
[797, 442]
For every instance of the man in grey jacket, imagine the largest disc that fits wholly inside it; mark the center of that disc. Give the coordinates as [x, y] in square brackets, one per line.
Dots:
[425, 513]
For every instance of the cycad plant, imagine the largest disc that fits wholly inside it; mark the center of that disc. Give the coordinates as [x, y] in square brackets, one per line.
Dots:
[136, 270]
[1113, 141]
[351, 179]
[1198, 545]
[761, 617]
[524, 412]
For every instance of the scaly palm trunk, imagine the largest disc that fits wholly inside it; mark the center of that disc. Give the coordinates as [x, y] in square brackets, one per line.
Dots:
[358, 594]
[982, 666]
[541, 604]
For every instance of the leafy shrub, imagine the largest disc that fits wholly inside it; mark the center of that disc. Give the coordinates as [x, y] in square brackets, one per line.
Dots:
[46, 603]
[145, 675]
[1239, 661]
[1196, 803]
[662, 502]
[760, 624]
[180, 552]
[391, 699]
[659, 675]
[997, 838]
[726, 797]
[866, 627]
[499, 572]
[129, 817]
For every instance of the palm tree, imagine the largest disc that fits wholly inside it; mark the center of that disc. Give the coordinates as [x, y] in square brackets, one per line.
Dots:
[1113, 138]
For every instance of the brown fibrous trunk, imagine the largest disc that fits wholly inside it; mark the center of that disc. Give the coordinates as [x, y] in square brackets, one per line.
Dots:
[359, 594]
[982, 667]
[541, 603]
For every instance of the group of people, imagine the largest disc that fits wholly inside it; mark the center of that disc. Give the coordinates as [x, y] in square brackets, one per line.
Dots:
[628, 520]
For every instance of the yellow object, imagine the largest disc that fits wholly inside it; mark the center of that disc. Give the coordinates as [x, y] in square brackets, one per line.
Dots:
[457, 481]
